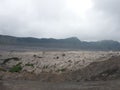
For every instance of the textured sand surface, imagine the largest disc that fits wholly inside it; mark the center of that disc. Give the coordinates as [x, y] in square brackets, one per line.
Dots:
[60, 70]
[54, 61]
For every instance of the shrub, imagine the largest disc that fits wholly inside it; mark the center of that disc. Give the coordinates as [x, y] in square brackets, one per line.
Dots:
[16, 68]
[29, 64]
[63, 54]
[57, 57]
[61, 70]
[45, 66]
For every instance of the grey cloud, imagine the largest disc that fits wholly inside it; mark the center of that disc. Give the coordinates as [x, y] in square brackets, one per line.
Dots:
[48, 18]
[108, 6]
[52, 18]
[110, 17]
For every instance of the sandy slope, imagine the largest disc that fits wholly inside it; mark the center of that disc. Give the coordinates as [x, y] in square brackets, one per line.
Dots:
[50, 64]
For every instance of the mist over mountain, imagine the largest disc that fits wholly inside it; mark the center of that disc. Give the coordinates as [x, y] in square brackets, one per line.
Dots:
[72, 43]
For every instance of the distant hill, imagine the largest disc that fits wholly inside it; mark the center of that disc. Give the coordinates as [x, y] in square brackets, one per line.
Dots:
[71, 43]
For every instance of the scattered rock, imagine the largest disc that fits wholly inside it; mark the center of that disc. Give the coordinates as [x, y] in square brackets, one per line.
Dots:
[35, 56]
[71, 66]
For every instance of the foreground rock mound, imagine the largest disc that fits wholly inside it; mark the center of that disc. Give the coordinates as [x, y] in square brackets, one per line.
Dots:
[103, 70]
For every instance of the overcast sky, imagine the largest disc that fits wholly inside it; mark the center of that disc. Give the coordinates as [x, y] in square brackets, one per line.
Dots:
[85, 19]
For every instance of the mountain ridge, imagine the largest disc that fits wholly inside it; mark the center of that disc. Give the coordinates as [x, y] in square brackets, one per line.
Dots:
[68, 43]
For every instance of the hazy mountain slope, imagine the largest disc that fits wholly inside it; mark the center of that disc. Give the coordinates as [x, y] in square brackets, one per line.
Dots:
[68, 43]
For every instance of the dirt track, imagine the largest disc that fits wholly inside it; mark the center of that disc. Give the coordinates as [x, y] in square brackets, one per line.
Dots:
[37, 85]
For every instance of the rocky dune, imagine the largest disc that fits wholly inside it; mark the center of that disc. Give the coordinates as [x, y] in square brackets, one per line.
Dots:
[60, 65]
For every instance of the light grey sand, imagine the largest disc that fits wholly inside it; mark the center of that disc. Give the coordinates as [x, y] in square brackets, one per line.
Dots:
[54, 61]
[71, 60]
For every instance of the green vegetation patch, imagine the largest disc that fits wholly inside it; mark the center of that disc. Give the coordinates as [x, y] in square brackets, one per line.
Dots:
[28, 64]
[61, 70]
[16, 68]
[45, 66]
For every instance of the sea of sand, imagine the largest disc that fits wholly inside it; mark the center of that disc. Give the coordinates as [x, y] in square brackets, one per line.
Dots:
[58, 65]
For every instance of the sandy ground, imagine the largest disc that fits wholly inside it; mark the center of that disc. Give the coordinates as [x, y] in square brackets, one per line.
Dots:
[36, 85]
[54, 61]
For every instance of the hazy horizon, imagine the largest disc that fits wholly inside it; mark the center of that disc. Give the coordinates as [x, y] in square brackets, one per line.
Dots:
[89, 20]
